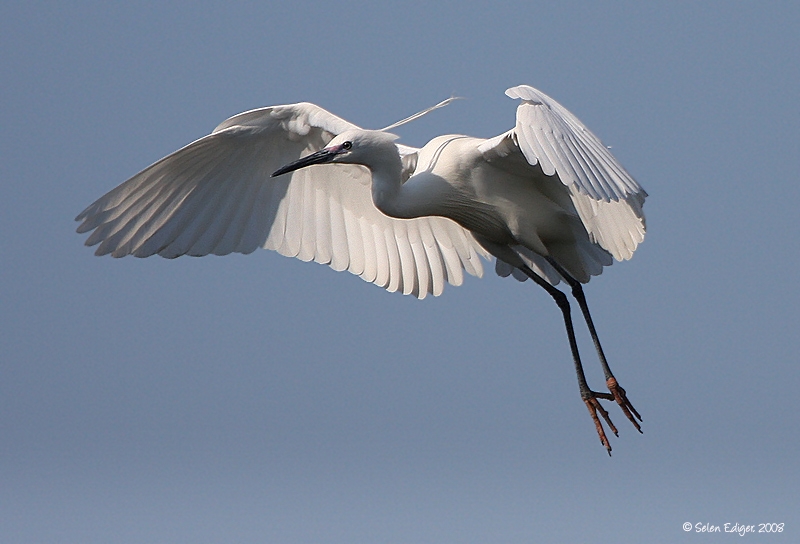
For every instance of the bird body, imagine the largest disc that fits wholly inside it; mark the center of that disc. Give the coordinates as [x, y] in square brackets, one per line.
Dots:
[506, 204]
[546, 198]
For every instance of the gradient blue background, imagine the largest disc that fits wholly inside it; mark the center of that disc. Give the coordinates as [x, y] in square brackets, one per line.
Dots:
[262, 399]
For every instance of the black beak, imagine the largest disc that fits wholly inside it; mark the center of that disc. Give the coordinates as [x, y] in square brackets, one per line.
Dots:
[320, 157]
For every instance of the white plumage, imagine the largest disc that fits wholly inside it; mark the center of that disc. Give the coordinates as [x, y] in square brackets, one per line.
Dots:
[546, 198]
[215, 196]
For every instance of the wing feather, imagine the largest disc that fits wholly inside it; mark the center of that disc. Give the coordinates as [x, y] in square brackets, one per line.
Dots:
[408, 266]
[434, 259]
[423, 283]
[337, 252]
[603, 194]
[376, 257]
[357, 246]
[387, 272]
[308, 235]
[450, 257]
[216, 196]
[544, 126]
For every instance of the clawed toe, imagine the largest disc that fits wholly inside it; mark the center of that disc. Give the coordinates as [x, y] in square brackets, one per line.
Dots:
[593, 404]
[622, 399]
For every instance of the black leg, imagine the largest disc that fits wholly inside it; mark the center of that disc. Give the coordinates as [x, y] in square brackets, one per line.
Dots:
[590, 398]
[617, 391]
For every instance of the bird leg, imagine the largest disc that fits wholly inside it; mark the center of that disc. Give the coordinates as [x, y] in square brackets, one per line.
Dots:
[617, 392]
[590, 398]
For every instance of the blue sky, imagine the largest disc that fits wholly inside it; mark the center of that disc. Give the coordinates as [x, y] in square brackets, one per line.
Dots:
[262, 399]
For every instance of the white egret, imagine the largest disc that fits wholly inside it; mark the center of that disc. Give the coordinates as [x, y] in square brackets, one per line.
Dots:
[546, 198]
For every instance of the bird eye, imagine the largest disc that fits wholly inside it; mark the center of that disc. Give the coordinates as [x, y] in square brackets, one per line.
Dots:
[347, 145]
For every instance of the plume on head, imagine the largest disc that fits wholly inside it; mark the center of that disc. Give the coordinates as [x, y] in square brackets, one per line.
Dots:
[419, 114]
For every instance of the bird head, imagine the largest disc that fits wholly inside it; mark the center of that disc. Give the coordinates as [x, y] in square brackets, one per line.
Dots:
[364, 147]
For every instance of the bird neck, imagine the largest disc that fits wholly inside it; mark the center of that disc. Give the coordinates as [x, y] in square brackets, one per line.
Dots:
[388, 192]
[423, 194]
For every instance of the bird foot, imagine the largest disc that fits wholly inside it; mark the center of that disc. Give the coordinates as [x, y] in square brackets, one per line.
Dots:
[591, 399]
[617, 393]
[622, 399]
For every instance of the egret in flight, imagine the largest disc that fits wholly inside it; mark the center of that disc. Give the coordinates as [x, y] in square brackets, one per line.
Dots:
[546, 199]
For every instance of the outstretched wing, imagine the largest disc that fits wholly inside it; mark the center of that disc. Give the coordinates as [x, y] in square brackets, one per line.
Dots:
[215, 196]
[605, 196]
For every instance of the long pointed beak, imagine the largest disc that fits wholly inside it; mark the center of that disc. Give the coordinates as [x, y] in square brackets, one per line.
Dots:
[320, 157]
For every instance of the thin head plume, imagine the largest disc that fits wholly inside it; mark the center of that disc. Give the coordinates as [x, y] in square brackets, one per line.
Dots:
[417, 115]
